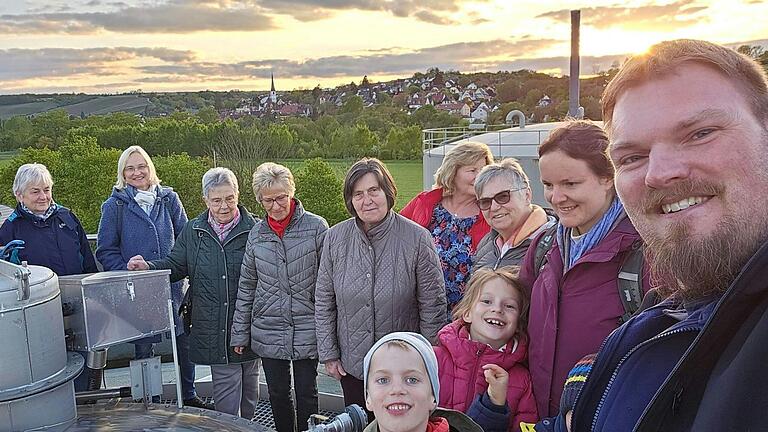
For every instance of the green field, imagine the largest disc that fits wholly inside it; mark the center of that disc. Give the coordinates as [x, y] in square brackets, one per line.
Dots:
[407, 175]
[94, 106]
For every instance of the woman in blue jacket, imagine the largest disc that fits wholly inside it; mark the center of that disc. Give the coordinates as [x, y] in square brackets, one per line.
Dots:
[53, 237]
[143, 218]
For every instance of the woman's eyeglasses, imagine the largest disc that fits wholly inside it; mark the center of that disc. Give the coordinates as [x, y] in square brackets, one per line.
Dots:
[281, 200]
[501, 198]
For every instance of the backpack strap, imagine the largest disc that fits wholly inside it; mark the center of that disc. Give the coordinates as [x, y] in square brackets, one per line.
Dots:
[630, 281]
[120, 210]
[542, 247]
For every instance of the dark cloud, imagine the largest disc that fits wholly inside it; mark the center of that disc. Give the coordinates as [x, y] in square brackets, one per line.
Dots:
[185, 16]
[462, 56]
[180, 16]
[670, 16]
[157, 65]
[431, 11]
[16, 64]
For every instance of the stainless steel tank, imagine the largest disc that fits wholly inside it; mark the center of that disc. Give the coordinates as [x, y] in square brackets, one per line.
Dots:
[36, 377]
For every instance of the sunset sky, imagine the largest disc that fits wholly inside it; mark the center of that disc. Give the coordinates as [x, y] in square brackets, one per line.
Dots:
[108, 46]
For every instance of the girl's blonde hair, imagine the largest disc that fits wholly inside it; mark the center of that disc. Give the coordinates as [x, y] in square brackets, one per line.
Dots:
[510, 275]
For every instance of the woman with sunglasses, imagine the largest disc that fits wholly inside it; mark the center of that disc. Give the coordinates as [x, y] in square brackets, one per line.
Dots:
[504, 197]
[575, 299]
[449, 211]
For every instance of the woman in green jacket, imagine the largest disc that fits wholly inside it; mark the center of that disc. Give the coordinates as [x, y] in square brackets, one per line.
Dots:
[210, 251]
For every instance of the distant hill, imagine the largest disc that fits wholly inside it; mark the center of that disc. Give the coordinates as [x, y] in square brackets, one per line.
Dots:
[94, 105]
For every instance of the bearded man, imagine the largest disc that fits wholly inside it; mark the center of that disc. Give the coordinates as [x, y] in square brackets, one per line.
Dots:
[688, 123]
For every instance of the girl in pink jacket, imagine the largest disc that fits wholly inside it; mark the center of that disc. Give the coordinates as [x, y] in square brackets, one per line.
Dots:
[481, 353]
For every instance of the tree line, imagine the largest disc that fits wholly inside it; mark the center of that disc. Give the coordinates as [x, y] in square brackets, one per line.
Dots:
[383, 131]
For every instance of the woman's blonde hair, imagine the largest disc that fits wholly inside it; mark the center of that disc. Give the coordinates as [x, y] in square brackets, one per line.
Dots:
[120, 184]
[510, 275]
[271, 175]
[461, 155]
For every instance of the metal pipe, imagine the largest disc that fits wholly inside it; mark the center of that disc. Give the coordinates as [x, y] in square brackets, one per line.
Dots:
[176, 370]
[90, 395]
[573, 88]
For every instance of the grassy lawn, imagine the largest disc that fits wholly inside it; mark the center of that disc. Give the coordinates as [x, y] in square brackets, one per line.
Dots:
[407, 175]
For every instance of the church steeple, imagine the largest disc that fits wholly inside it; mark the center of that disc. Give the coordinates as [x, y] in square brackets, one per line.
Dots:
[272, 93]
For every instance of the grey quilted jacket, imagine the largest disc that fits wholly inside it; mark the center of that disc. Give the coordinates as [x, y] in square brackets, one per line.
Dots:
[370, 285]
[275, 311]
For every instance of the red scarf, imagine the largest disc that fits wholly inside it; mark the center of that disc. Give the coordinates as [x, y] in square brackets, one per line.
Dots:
[437, 424]
[279, 226]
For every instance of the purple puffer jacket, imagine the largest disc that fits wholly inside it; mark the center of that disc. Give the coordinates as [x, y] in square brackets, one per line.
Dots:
[572, 313]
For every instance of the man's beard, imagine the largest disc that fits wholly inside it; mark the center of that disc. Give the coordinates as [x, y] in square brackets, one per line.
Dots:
[695, 267]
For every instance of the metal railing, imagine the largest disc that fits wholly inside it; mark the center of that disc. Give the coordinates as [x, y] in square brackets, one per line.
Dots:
[437, 138]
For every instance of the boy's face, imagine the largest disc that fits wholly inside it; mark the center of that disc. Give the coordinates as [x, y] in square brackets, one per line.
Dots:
[399, 390]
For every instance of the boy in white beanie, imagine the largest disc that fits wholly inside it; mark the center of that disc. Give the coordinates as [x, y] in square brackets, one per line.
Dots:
[402, 388]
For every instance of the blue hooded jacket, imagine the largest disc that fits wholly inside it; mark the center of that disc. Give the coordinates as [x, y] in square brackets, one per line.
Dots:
[151, 236]
[59, 242]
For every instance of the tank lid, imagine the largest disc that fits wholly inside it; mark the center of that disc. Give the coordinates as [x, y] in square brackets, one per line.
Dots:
[22, 285]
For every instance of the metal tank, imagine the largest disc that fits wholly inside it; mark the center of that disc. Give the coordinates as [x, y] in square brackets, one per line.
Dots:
[36, 377]
[37, 373]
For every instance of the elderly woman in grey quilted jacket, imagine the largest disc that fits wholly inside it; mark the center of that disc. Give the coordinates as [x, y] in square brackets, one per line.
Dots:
[275, 310]
[379, 273]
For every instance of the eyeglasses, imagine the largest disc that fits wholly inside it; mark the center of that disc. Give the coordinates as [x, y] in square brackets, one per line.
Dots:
[501, 198]
[280, 200]
[131, 169]
[219, 202]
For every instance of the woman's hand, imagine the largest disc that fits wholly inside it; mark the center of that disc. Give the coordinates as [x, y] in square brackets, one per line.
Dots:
[335, 369]
[239, 349]
[137, 263]
[497, 379]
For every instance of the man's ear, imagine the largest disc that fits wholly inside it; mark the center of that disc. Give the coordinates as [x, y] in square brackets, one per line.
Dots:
[368, 403]
[434, 404]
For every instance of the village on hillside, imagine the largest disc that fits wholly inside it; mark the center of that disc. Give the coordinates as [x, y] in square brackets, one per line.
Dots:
[483, 97]
[472, 102]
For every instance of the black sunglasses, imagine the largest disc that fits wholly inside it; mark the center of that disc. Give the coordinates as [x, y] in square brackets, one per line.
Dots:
[501, 198]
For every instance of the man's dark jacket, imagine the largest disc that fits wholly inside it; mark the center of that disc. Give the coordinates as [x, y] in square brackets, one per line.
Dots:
[716, 352]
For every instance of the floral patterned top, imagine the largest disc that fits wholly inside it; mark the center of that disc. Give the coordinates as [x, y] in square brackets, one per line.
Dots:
[454, 247]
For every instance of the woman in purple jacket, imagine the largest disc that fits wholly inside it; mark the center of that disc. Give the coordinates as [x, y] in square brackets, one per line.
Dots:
[575, 300]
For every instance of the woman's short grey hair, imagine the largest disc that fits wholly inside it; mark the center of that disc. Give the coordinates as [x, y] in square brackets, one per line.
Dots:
[270, 175]
[31, 174]
[219, 176]
[508, 169]
[120, 184]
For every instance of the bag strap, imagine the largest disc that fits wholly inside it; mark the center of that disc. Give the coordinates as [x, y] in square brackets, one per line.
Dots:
[120, 210]
[542, 247]
[630, 281]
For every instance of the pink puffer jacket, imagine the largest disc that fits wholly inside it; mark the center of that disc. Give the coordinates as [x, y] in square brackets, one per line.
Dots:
[460, 363]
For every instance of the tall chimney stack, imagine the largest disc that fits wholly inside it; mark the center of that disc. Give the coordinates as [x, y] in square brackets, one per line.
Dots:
[573, 88]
